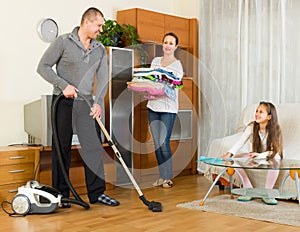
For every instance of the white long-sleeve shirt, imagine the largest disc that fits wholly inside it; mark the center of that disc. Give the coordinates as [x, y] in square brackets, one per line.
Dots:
[166, 104]
[248, 134]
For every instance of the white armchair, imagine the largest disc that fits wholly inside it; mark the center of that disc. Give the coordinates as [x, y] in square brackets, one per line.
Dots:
[289, 121]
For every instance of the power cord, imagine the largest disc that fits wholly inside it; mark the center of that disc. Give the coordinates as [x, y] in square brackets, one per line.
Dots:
[8, 213]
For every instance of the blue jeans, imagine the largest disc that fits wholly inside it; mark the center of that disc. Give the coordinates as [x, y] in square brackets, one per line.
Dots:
[161, 126]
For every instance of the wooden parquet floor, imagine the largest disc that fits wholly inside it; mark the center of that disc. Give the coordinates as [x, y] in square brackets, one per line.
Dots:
[132, 215]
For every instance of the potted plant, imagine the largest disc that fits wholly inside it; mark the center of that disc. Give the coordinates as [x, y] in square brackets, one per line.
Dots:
[111, 34]
[117, 35]
[130, 35]
[131, 38]
[124, 35]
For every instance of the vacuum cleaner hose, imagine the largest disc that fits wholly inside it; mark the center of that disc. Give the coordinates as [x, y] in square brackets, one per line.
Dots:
[56, 143]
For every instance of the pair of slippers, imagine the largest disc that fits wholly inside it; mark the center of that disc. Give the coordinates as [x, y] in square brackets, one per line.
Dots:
[106, 200]
[163, 183]
[103, 199]
[268, 201]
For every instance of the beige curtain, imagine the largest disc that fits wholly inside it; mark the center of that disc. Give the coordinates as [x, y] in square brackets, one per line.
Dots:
[249, 52]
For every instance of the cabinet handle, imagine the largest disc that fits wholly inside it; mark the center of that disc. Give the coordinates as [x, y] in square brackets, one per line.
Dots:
[12, 191]
[16, 171]
[17, 157]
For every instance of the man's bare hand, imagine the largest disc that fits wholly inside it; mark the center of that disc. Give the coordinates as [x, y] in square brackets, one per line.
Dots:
[70, 91]
[96, 111]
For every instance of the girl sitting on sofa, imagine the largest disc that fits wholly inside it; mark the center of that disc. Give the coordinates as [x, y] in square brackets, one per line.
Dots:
[265, 136]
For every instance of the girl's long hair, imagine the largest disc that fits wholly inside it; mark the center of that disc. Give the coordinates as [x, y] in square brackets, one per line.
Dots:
[274, 140]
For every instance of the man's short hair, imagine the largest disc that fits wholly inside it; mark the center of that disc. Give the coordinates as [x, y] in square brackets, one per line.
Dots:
[90, 14]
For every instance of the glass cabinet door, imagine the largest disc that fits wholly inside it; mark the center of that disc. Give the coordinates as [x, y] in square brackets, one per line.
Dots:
[121, 62]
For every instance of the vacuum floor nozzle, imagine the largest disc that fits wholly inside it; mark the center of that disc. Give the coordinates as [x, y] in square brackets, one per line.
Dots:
[155, 206]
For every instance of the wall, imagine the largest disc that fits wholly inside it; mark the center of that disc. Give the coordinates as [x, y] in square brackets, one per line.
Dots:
[21, 49]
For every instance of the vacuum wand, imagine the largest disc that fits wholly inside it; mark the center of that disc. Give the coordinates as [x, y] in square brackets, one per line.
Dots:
[154, 206]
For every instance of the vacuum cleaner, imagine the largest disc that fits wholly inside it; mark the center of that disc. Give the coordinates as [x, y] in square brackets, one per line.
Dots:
[35, 198]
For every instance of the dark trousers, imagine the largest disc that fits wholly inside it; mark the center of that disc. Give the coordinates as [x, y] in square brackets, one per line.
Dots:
[71, 115]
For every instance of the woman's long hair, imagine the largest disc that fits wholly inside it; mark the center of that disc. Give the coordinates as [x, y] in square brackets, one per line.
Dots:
[274, 140]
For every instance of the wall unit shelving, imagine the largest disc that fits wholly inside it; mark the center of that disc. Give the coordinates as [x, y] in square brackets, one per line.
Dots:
[151, 26]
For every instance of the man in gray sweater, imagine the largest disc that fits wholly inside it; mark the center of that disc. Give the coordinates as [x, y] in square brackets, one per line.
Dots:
[79, 58]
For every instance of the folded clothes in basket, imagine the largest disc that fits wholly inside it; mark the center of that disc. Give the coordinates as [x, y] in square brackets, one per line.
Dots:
[155, 83]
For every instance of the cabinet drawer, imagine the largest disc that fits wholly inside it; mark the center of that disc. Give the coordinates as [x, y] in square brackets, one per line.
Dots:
[7, 192]
[16, 173]
[16, 156]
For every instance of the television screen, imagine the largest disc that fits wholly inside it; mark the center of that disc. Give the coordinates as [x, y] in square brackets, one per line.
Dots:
[37, 122]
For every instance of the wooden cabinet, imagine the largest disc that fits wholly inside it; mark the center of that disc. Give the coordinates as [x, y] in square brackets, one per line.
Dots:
[180, 26]
[145, 18]
[17, 166]
[151, 27]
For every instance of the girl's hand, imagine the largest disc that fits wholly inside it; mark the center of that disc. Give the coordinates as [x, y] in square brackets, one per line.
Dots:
[253, 155]
[263, 155]
[226, 156]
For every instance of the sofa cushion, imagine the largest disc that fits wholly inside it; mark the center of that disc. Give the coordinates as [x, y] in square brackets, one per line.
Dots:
[289, 121]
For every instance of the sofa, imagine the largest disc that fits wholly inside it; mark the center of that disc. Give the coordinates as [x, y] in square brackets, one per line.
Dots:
[289, 121]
